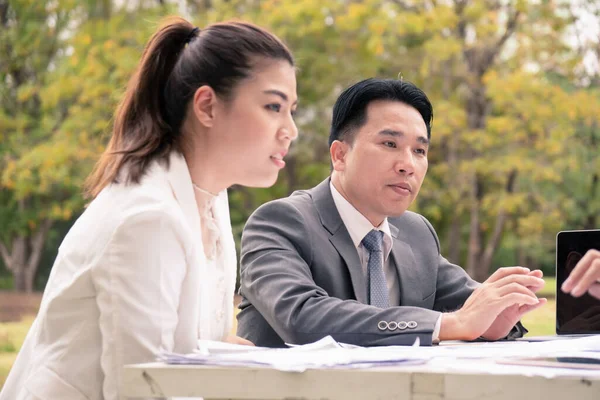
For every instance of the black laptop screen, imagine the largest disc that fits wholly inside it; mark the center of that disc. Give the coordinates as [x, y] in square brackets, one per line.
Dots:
[575, 315]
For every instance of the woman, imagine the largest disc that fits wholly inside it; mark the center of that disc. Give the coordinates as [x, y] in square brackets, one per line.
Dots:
[150, 266]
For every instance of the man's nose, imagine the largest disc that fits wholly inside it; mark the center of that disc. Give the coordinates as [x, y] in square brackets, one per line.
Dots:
[406, 163]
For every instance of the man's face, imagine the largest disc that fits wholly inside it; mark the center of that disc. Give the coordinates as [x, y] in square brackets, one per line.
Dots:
[381, 172]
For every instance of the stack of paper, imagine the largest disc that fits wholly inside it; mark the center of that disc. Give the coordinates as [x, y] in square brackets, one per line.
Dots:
[326, 353]
[589, 345]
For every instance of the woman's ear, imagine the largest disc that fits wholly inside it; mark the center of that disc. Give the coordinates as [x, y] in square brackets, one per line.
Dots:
[204, 102]
[338, 151]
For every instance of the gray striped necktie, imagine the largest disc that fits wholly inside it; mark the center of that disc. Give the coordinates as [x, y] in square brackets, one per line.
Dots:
[377, 286]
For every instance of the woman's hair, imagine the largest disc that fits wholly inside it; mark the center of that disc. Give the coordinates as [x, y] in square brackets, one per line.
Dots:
[177, 60]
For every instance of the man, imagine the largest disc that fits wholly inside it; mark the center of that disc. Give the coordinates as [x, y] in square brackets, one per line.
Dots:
[346, 259]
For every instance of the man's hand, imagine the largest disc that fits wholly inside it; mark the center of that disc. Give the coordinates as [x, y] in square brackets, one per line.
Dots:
[585, 277]
[496, 306]
[513, 314]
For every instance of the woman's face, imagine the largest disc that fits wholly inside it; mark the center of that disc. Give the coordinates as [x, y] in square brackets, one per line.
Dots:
[253, 131]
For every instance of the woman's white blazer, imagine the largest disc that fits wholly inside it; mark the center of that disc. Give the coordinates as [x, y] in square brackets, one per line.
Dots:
[130, 280]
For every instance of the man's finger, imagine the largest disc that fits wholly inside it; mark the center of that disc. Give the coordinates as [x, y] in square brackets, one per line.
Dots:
[518, 298]
[525, 308]
[506, 271]
[536, 287]
[537, 273]
[515, 287]
[525, 280]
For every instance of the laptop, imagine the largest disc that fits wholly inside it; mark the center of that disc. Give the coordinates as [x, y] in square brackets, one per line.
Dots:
[581, 315]
[575, 317]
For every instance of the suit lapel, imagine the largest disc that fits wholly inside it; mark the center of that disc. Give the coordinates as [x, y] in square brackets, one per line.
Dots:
[180, 181]
[406, 266]
[343, 244]
[340, 238]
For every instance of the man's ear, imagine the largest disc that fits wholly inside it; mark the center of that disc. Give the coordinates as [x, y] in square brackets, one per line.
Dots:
[204, 102]
[338, 151]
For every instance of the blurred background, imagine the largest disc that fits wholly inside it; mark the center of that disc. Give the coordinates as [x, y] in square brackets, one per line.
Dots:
[514, 85]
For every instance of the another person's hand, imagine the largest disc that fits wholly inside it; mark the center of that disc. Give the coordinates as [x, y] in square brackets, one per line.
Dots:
[233, 339]
[585, 277]
[496, 306]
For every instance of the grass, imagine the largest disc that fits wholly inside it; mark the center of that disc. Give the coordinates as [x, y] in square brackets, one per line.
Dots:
[549, 290]
[6, 361]
[12, 335]
[539, 322]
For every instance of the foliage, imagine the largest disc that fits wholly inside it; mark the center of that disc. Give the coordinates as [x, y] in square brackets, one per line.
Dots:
[518, 170]
[525, 130]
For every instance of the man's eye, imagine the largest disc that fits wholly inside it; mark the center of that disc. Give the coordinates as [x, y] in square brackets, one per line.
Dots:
[274, 107]
[389, 144]
[421, 151]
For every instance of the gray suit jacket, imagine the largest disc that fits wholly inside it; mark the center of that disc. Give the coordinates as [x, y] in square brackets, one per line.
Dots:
[301, 277]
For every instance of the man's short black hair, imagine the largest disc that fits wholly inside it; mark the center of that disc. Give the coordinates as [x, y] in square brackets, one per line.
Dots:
[350, 109]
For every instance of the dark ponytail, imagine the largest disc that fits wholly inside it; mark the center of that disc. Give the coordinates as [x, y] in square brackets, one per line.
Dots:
[177, 60]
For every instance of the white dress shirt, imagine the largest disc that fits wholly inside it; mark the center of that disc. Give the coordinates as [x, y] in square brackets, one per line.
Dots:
[358, 226]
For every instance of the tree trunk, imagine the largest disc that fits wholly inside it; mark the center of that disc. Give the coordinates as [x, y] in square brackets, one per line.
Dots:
[477, 105]
[591, 219]
[454, 236]
[24, 259]
[474, 249]
[494, 241]
[479, 60]
[454, 239]
[521, 256]
[24, 279]
[19, 278]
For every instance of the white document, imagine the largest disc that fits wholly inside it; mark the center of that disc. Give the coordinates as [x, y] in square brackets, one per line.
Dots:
[325, 353]
[207, 347]
[516, 348]
[491, 367]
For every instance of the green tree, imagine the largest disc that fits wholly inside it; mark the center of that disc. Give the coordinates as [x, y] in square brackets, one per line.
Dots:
[487, 165]
[66, 65]
[515, 130]
[30, 44]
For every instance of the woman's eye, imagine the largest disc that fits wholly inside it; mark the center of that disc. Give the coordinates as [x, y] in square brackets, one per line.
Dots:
[274, 107]
[421, 151]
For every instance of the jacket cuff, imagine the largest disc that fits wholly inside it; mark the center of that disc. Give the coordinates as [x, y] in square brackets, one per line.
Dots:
[517, 331]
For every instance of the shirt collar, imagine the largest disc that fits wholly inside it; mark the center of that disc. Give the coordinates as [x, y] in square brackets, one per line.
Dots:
[357, 224]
